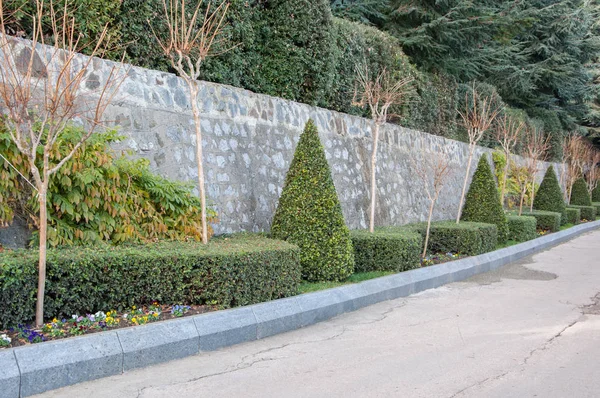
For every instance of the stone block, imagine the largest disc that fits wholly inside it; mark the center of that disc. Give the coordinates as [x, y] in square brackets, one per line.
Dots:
[60, 363]
[10, 377]
[277, 316]
[320, 306]
[225, 328]
[158, 342]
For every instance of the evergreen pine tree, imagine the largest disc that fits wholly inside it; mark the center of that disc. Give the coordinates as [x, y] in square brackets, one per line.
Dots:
[482, 203]
[309, 214]
[549, 196]
[580, 195]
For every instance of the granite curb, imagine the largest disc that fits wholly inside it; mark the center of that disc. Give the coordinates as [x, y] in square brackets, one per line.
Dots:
[37, 368]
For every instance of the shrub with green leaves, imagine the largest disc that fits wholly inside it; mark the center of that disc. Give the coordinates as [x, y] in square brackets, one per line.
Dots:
[482, 203]
[596, 194]
[228, 272]
[383, 250]
[469, 238]
[597, 206]
[522, 228]
[549, 196]
[99, 196]
[546, 220]
[588, 213]
[573, 215]
[309, 213]
[580, 195]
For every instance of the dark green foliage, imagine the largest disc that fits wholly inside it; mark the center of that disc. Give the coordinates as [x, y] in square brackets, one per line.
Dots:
[366, 11]
[580, 195]
[596, 194]
[482, 203]
[549, 196]
[234, 271]
[469, 238]
[573, 215]
[522, 228]
[546, 220]
[309, 213]
[386, 250]
[588, 213]
[597, 206]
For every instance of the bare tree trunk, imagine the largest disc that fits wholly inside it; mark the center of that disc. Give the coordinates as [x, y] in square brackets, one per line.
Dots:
[428, 228]
[532, 194]
[505, 178]
[521, 203]
[373, 182]
[199, 157]
[464, 189]
[39, 309]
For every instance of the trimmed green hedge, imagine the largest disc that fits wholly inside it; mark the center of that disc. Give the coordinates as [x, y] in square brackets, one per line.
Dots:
[385, 250]
[482, 203]
[309, 214]
[588, 213]
[546, 220]
[234, 271]
[573, 215]
[596, 194]
[597, 206]
[469, 238]
[522, 228]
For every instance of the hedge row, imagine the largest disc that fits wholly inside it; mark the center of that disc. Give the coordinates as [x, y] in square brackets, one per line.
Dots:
[522, 228]
[469, 238]
[597, 206]
[386, 250]
[546, 220]
[573, 215]
[228, 272]
[588, 213]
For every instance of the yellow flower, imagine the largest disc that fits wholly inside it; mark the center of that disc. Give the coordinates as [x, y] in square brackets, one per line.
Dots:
[155, 315]
[55, 320]
[134, 307]
[134, 320]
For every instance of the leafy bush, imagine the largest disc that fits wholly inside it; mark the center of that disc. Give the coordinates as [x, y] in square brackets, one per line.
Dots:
[596, 194]
[549, 196]
[469, 238]
[522, 228]
[588, 213]
[573, 215]
[228, 272]
[309, 213]
[482, 203]
[597, 206]
[384, 250]
[580, 195]
[98, 196]
[546, 220]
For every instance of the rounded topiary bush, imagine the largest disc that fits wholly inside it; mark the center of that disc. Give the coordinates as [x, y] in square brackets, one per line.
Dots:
[309, 214]
[549, 196]
[579, 194]
[482, 203]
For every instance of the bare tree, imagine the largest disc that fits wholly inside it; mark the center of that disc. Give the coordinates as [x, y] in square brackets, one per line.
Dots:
[593, 169]
[507, 134]
[478, 116]
[433, 170]
[41, 92]
[537, 148]
[379, 94]
[574, 156]
[189, 42]
[522, 176]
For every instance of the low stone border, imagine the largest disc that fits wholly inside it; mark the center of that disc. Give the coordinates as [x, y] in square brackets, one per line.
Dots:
[37, 368]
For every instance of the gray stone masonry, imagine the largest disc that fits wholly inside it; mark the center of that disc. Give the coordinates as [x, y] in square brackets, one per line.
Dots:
[249, 141]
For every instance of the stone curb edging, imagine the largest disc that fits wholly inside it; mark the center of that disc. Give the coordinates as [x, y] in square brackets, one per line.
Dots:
[37, 368]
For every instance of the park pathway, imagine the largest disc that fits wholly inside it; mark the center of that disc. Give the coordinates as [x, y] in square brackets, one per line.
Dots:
[530, 329]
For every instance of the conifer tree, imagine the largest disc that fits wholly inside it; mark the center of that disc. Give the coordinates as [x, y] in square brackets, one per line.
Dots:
[549, 196]
[580, 195]
[309, 213]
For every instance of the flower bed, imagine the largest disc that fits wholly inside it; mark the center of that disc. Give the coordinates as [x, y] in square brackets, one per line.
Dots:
[78, 325]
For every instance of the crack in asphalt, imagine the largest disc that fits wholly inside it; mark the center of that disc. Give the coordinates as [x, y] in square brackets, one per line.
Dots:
[589, 309]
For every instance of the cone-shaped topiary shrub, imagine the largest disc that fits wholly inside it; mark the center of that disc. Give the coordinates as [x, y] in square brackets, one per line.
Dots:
[482, 203]
[580, 195]
[549, 196]
[596, 194]
[309, 214]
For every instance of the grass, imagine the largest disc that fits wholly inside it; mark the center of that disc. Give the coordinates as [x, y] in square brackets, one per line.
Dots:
[566, 226]
[508, 243]
[307, 287]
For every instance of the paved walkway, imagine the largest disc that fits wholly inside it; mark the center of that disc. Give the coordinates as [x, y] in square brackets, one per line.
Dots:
[530, 329]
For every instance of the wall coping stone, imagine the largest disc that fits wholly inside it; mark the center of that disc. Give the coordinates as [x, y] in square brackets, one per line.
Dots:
[37, 368]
